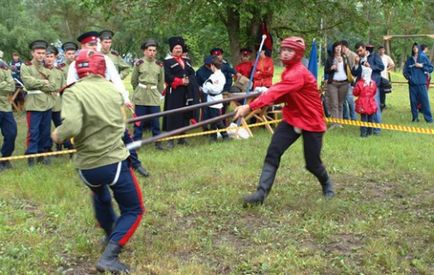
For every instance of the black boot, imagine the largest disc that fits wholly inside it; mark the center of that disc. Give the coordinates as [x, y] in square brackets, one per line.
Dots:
[5, 165]
[327, 186]
[109, 260]
[142, 171]
[31, 162]
[170, 144]
[265, 183]
[158, 146]
[182, 141]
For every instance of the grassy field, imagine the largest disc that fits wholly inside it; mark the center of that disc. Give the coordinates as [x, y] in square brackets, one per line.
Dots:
[380, 222]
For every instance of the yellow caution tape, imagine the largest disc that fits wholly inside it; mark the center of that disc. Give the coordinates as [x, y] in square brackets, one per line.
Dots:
[392, 127]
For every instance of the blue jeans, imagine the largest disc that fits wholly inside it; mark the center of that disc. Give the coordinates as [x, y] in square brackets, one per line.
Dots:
[419, 93]
[8, 128]
[377, 116]
[154, 123]
[121, 180]
[38, 135]
[349, 107]
[134, 158]
[364, 131]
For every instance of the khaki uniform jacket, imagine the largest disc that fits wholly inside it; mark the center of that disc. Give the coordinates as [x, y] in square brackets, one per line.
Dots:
[121, 66]
[58, 77]
[38, 92]
[92, 113]
[148, 82]
[7, 87]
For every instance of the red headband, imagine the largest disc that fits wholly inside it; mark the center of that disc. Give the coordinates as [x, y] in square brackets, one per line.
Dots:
[89, 40]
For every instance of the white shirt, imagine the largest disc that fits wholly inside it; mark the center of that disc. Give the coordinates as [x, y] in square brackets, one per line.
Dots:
[213, 87]
[111, 74]
[340, 74]
[387, 61]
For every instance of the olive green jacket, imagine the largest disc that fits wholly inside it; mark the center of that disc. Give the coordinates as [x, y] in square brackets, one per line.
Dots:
[120, 64]
[148, 82]
[38, 91]
[7, 87]
[92, 112]
[59, 82]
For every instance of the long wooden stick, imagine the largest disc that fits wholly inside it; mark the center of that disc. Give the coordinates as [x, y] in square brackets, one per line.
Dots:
[139, 143]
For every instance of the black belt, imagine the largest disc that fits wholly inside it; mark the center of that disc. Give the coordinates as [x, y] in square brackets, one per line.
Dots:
[340, 81]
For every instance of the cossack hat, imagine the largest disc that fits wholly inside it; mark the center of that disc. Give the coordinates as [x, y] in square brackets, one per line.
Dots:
[216, 51]
[106, 34]
[88, 37]
[38, 44]
[176, 40]
[52, 50]
[148, 43]
[69, 46]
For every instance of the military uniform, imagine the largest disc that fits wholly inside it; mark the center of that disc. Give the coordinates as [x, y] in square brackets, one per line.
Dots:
[8, 125]
[148, 84]
[67, 46]
[92, 112]
[112, 74]
[121, 66]
[38, 103]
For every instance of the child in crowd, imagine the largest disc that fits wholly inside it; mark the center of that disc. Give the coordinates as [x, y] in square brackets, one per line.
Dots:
[213, 87]
[365, 90]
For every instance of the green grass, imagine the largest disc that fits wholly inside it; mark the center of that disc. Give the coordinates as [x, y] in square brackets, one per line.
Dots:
[380, 222]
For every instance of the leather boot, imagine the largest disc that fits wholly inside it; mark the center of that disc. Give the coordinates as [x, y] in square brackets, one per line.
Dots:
[142, 171]
[5, 165]
[265, 183]
[158, 146]
[327, 186]
[170, 144]
[109, 260]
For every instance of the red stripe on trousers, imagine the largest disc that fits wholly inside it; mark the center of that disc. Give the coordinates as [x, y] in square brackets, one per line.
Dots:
[133, 228]
[28, 129]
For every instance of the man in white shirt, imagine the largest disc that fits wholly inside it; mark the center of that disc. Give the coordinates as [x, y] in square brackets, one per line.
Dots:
[388, 66]
[213, 87]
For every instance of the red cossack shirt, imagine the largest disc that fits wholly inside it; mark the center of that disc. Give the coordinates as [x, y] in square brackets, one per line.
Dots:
[298, 90]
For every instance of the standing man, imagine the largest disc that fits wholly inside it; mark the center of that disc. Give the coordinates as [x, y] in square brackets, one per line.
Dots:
[388, 66]
[415, 69]
[148, 84]
[122, 67]
[38, 103]
[69, 49]
[350, 58]
[180, 91]
[15, 65]
[89, 41]
[8, 126]
[373, 61]
[302, 116]
[59, 81]
[93, 115]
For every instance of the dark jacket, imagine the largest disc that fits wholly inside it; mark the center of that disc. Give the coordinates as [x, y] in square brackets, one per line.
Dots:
[376, 64]
[329, 63]
[229, 72]
[414, 75]
[202, 74]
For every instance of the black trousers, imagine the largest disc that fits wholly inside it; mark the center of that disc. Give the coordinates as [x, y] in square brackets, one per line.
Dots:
[284, 136]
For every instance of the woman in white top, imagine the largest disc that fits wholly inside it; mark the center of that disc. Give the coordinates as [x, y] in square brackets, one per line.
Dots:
[337, 82]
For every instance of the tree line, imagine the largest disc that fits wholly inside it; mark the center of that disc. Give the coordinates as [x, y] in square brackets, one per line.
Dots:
[230, 24]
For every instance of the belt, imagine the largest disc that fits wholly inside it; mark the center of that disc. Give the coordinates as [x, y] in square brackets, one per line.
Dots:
[34, 92]
[147, 86]
[340, 81]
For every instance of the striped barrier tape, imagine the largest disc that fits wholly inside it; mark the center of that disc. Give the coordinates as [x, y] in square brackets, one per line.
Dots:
[393, 127]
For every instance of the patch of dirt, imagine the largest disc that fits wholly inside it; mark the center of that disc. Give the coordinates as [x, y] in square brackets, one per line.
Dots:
[344, 244]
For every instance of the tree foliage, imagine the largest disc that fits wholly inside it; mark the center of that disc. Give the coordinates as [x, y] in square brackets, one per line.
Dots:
[209, 23]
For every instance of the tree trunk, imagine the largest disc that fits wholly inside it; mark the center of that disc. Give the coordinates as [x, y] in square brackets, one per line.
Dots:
[233, 27]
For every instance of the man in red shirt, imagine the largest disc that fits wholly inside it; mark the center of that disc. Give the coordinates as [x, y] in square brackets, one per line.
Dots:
[246, 65]
[302, 116]
[263, 77]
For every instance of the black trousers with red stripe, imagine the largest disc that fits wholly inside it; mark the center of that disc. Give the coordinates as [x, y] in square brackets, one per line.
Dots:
[120, 178]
